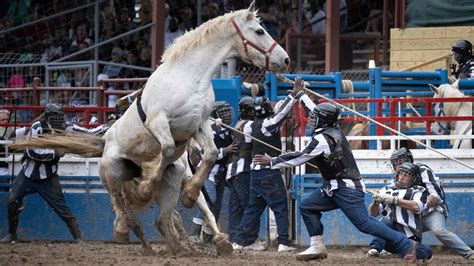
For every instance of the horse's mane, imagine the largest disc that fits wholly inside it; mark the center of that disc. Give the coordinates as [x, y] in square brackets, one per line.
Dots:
[447, 91]
[200, 35]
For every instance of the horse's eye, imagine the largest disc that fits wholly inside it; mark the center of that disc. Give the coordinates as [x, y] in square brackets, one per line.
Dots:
[259, 32]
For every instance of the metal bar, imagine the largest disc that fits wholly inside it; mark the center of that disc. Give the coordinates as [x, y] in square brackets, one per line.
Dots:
[96, 40]
[125, 66]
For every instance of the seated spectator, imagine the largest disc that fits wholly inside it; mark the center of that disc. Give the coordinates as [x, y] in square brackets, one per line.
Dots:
[9, 42]
[114, 71]
[130, 72]
[141, 42]
[60, 40]
[145, 60]
[18, 11]
[125, 24]
[173, 33]
[271, 20]
[126, 44]
[187, 19]
[50, 52]
[81, 37]
[210, 11]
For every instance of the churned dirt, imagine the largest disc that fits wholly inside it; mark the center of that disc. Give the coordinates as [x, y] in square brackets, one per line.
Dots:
[93, 253]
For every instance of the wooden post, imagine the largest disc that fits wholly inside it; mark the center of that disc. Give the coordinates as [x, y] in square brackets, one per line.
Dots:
[157, 32]
[333, 21]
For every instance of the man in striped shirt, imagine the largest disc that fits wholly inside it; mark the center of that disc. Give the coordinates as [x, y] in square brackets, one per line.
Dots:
[238, 170]
[436, 212]
[267, 187]
[401, 205]
[39, 175]
[343, 186]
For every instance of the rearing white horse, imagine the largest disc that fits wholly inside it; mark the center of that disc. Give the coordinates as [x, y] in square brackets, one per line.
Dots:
[175, 105]
[452, 109]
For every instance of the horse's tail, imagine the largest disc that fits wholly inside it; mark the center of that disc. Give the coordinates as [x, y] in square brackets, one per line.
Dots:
[84, 145]
[130, 192]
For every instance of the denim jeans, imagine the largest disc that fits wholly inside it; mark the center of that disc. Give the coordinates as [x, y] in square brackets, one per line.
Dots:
[215, 190]
[436, 223]
[352, 204]
[422, 251]
[238, 202]
[266, 188]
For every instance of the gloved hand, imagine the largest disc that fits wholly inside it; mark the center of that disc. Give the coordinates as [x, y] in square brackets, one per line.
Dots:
[378, 198]
[390, 200]
[298, 88]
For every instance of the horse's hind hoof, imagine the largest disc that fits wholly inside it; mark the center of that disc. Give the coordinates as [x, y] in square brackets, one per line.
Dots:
[223, 245]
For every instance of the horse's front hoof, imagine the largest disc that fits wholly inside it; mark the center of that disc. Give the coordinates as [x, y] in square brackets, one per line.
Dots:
[121, 238]
[223, 245]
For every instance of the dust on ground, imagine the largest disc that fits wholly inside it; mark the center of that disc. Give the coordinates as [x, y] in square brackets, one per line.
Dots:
[96, 252]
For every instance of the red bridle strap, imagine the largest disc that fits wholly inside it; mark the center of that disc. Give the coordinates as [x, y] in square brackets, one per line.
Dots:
[245, 42]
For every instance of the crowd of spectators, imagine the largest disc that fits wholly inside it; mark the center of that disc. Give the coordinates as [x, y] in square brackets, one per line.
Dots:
[66, 34]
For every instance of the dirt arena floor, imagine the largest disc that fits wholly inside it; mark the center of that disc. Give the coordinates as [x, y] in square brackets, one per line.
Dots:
[94, 253]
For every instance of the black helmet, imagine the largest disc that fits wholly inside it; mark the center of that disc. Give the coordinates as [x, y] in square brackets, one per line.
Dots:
[263, 107]
[246, 108]
[323, 115]
[462, 50]
[400, 156]
[223, 111]
[55, 116]
[413, 171]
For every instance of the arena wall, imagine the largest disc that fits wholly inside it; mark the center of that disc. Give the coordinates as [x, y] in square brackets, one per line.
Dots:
[414, 46]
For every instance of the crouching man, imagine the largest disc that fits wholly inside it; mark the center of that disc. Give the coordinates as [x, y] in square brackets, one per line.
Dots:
[401, 206]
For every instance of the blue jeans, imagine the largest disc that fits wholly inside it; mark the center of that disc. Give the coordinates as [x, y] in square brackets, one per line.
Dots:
[436, 223]
[352, 203]
[238, 202]
[266, 188]
[422, 251]
[215, 191]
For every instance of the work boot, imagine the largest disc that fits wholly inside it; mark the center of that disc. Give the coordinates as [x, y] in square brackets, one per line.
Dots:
[317, 250]
[73, 226]
[12, 226]
[195, 232]
[207, 238]
[9, 238]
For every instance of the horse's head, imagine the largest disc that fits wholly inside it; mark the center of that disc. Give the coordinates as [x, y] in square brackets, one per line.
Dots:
[255, 45]
[444, 109]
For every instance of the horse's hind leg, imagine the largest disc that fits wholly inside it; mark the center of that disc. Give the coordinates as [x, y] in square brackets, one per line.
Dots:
[167, 198]
[193, 186]
[178, 226]
[115, 171]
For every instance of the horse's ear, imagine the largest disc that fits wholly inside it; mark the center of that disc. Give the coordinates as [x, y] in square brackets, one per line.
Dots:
[455, 84]
[251, 13]
[434, 88]
[252, 7]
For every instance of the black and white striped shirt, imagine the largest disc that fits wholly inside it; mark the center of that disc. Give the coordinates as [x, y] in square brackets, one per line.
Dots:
[222, 138]
[317, 147]
[270, 125]
[39, 164]
[432, 184]
[242, 160]
[406, 221]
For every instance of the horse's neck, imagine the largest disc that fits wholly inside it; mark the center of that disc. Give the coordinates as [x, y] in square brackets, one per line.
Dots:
[464, 127]
[206, 59]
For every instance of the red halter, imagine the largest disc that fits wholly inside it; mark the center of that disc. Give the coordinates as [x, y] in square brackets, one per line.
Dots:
[246, 42]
